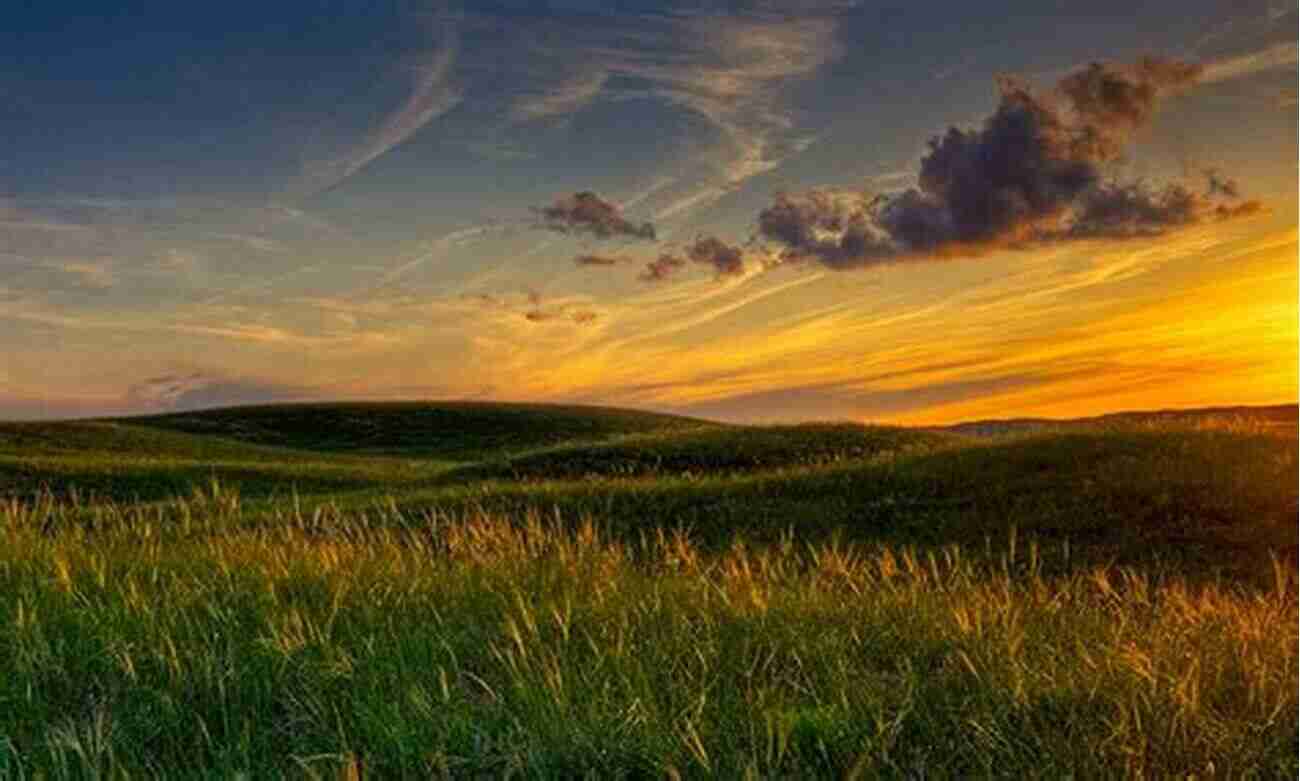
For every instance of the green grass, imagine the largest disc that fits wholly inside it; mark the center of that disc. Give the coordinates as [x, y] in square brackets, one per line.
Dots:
[643, 597]
[452, 431]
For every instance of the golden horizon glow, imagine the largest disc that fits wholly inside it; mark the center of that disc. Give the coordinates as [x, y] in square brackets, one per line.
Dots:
[476, 215]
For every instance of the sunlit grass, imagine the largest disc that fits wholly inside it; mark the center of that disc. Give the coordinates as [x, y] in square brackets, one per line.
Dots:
[356, 591]
[189, 637]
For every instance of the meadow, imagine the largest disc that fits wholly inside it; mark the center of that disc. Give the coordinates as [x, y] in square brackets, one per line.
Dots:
[482, 590]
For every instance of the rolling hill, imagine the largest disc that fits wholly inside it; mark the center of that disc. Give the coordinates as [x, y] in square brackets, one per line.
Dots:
[450, 589]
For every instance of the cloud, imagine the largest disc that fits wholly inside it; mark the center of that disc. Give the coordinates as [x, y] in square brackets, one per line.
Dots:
[431, 97]
[587, 212]
[597, 260]
[1282, 55]
[723, 257]
[1120, 211]
[23, 273]
[563, 312]
[662, 268]
[200, 389]
[181, 261]
[436, 249]
[15, 218]
[94, 276]
[834, 227]
[561, 100]
[734, 71]
[1032, 173]
[256, 243]
[534, 307]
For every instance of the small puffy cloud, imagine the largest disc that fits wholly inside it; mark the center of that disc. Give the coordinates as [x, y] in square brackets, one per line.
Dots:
[1033, 172]
[835, 227]
[723, 257]
[662, 267]
[587, 212]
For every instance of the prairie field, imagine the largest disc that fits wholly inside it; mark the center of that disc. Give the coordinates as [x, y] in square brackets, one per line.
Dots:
[531, 591]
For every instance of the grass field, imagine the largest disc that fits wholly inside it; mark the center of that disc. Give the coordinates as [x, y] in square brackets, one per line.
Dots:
[416, 590]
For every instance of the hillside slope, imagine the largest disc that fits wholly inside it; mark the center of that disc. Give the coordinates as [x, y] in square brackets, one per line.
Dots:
[457, 431]
[486, 590]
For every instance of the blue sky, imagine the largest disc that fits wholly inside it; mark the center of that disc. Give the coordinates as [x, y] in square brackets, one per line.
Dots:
[254, 202]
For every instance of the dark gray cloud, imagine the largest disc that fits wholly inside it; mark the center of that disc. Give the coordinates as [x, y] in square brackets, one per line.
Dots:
[587, 212]
[1217, 185]
[596, 260]
[1120, 211]
[723, 257]
[1033, 172]
[662, 267]
[834, 227]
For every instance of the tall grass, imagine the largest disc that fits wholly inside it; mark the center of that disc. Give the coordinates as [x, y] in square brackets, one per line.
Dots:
[186, 638]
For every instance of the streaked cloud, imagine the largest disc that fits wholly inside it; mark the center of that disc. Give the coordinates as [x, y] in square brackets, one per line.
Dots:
[588, 259]
[206, 388]
[561, 100]
[431, 96]
[734, 72]
[133, 239]
[96, 276]
[1277, 56]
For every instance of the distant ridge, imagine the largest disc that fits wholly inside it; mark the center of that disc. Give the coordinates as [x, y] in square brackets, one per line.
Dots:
[360, 425]
[1273, 417]
[454, 430]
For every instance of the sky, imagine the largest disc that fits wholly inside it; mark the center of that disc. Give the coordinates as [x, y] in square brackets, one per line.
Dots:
[917, 212]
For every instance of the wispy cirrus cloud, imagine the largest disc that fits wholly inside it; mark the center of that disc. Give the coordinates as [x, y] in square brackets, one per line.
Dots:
[86, 274]
[562, 99]
[431, 96]
[1277, 56]
[734, 73]
[208, 388]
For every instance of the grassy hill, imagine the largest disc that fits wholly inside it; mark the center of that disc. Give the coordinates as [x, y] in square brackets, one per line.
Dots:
[456, 431]
[455, 588]
[1280, 419]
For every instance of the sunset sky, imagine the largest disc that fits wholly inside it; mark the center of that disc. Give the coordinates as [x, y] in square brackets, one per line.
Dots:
[733, 210]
